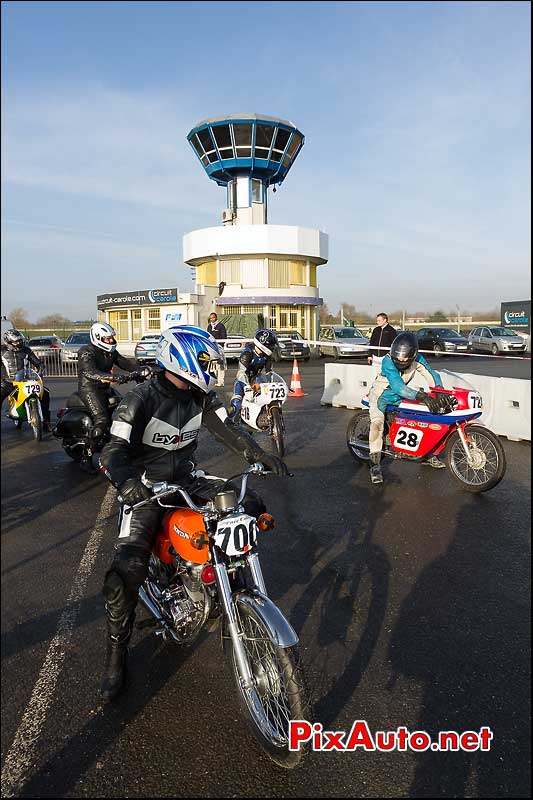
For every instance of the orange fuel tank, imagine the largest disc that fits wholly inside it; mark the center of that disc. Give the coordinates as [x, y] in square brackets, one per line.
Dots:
[184, 529]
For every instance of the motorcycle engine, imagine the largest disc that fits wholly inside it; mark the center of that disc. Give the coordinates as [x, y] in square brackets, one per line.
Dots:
[262, 421]
[186, 601]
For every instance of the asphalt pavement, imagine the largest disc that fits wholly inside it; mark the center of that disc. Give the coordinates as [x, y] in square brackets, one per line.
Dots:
[411, 601]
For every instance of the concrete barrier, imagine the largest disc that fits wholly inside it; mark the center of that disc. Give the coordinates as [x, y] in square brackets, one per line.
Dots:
[506, 401]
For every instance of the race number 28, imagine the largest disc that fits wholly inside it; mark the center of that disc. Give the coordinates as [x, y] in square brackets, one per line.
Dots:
[408, 439]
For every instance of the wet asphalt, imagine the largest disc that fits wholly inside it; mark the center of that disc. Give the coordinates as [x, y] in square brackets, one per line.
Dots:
[412, 602]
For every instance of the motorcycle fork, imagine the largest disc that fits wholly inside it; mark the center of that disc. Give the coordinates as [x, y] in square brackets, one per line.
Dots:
[226, 599]
[464, 441]
[256, 572]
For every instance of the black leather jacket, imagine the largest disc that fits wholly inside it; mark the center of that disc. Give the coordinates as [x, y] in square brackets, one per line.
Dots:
[94, 367]
[13, 361]
[155, 431]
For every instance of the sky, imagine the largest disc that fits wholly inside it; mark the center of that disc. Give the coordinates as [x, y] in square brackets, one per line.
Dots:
[417, 155]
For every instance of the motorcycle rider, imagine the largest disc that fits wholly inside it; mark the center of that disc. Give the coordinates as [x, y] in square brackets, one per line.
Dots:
[153, 437]
[95, 362]
[14, 354]
[255, 357]
[390, 387]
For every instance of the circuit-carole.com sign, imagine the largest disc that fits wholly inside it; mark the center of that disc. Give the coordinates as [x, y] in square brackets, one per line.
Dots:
[141, 297]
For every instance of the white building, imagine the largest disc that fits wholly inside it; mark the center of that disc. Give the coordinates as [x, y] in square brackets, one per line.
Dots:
[246, 265]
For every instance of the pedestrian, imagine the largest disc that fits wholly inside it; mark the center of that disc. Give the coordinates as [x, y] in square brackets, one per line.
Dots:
[218, 331]
[381, 339]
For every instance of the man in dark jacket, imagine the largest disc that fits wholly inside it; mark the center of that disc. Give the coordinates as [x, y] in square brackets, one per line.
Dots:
[218, 331]
[15, 353]
[95, 362]
[382, 337]
[153, 438]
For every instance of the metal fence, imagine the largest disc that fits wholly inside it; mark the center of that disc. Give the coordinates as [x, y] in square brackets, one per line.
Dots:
[59, 364]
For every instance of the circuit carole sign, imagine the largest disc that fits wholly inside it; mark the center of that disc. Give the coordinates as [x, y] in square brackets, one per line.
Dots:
[140, 297]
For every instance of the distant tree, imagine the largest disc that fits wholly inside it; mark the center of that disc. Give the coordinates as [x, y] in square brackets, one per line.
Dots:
[53, 321]
[438, 316]
[19, 318]
[323, 314]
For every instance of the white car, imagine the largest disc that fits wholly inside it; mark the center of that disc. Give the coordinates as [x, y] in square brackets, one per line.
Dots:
[343, 342]
[496, 340]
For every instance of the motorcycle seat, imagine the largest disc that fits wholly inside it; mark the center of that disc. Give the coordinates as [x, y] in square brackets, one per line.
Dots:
[75, 401]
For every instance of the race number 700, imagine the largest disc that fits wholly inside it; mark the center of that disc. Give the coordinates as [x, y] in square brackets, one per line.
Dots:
[236, 535]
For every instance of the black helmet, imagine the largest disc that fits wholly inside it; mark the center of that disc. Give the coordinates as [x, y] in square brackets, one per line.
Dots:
[266, 341]
[404, 347]
[14, 339]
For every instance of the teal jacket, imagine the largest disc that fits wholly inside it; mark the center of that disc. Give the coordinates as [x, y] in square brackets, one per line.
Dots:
[397, 390]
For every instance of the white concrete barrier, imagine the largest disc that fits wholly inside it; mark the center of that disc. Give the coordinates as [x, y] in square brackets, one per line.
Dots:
[506, 401]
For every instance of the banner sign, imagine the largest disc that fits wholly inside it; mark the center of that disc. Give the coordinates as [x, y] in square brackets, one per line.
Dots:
[517, 315]
[140, 297]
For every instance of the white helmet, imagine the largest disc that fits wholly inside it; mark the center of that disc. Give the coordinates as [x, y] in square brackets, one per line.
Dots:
[191, 354]
[103, 336]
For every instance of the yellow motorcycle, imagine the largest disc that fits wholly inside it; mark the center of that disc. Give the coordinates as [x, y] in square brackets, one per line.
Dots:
[24, 402]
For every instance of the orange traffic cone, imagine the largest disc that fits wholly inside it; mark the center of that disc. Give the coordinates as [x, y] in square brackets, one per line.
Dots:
[296, 387]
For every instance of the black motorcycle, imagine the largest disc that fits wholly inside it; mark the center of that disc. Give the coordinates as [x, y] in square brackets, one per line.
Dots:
[75, 425]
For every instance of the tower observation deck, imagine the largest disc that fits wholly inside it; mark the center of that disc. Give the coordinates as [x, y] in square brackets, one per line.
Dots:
[247, 153]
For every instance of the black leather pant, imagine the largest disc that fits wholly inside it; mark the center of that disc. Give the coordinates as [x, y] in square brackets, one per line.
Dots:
[7, 388]
[97, 404]
[137, 533]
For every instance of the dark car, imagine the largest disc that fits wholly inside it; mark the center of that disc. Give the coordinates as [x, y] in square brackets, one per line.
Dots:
[292, 345]
[46, 347]
[442, 341]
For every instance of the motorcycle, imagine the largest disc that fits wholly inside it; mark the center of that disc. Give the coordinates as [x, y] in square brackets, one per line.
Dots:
[204, 568]
[262, 407]
[75, 424]
[24, 402]
[473, 454]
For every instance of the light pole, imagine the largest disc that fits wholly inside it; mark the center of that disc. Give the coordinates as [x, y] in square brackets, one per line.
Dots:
[458, 318]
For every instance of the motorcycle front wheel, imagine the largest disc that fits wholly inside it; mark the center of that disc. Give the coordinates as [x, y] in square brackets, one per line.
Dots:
[357, 436]
[487, 463]
[34, 418]
[279, 693]
[277, 431]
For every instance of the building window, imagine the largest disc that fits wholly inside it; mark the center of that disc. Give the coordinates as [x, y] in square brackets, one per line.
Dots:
[257, 191]
[298, 270]
[278, 274]
[242, 133]
[230, 271]
[136, 323]
[249, 309]
[119, 321]
[154, 319]
[273, 318]
[223, 140]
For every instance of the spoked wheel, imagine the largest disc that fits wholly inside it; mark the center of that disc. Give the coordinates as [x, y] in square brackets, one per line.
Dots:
[279, 693]
[486, 464]
[357, 436]
[277, 430]
[35, 421]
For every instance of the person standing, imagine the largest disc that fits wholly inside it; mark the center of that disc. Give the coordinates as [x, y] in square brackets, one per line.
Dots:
[382, 337]
[218, 331]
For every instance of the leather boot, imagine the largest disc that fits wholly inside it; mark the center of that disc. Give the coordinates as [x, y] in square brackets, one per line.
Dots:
[376, 476]
[115, 671]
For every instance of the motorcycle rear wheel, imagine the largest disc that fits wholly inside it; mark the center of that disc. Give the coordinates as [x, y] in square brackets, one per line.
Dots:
[489, 459]
[280, 692]
[35, 421]
[357, 432]
[277, 431]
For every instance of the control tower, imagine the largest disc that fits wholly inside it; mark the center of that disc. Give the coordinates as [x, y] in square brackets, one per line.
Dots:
[260, 268]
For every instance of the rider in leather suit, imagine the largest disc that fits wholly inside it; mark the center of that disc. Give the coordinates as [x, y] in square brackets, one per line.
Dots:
[255, 357]
[14, 353]
[95, 362]
[153, 437]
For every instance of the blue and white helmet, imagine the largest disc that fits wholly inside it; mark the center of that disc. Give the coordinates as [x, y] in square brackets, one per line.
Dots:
[191, 354]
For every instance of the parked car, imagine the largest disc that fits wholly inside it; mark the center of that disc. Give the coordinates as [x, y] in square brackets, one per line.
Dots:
[441, 340]
[292, 345]
[145, 349]
[343, 342]
[232, 350]
[71, 345]
[47, 348]
[496, 340]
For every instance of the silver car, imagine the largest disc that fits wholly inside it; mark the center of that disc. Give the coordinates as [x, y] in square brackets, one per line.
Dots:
[146, 349]
[69, 353]
[232, 350]
[343, 342]
[495, 340]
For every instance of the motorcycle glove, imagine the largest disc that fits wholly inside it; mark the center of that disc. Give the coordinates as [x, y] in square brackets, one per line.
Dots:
[120, 379]
[271, 462]
[433, 403]
[133, 491]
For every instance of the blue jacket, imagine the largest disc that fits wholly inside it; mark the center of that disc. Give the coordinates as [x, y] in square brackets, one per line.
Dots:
[397, 390]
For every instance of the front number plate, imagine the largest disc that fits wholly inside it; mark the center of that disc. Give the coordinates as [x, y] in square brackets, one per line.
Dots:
[236, 534]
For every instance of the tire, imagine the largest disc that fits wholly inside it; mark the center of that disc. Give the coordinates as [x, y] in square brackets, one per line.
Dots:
[358, 429]
[277, 431]
[336, 354]
[35, 421]
[495, 350]
[279, 685]
[438, 350]
[18, 424]
[488, 451]
[319, 353]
